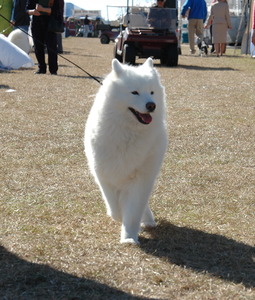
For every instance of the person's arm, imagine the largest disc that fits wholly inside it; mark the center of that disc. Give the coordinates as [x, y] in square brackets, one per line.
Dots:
[185, 7]
[42, 9]
[210, 19]
[13, 16]
[205, 12]
[61, 7]
[30, 8]
[33, 12]
[228, 17]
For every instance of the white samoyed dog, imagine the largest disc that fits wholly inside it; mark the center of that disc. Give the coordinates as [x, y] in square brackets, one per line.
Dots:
[125, 143]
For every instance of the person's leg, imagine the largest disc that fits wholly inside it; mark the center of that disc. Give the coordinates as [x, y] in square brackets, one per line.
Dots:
[212, 50]
[52, 52]
[38, 38]
[200, 29]
[86, 30]
[191, 34]
[217, 48]
[222, 48]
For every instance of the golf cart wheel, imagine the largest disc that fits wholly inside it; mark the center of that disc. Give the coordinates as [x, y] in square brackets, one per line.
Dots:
[129, 54]
[104, 39]
[169, 56]
[163, 58]
[116, 55]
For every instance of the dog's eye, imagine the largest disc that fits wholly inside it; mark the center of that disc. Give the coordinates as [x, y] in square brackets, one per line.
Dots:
[152, 93]
[135, 93]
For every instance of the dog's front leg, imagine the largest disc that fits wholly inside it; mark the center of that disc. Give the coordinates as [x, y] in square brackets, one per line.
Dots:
[111, 198]
[134, 201]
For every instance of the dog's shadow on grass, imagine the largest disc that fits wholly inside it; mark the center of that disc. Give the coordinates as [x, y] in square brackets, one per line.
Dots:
[202, 252]
[20, 279]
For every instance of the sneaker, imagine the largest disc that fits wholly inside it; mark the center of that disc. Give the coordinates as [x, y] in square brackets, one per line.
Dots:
[192, 51]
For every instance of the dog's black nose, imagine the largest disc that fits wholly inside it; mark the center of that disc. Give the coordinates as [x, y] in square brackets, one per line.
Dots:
[150, 106]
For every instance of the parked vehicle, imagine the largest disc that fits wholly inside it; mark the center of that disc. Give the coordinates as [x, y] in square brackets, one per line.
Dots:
[149, 32]
[108, 33]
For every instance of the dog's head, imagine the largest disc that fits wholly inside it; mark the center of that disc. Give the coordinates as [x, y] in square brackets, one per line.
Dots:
[136, 91]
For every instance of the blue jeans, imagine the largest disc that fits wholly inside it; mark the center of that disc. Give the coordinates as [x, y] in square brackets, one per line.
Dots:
[22, 27]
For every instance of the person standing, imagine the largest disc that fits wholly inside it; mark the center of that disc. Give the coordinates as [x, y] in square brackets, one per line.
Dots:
[41, 35]
[197, 14]
[19, 17]
[160, 4]
[158, 18]
[86, 26]
[220, 20]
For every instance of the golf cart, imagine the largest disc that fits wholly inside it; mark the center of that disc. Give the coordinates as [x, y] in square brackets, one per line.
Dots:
[149, 32]
[107, 33]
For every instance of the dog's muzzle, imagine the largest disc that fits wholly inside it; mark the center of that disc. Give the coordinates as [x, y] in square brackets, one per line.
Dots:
[144, 118]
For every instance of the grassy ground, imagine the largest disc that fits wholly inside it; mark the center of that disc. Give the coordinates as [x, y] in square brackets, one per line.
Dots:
[56, 240]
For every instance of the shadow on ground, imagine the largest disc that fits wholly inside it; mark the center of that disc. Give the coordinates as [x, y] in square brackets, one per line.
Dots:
[206, 68]
[193, 67]
[4, 86]
[20, 279]
[203, 252]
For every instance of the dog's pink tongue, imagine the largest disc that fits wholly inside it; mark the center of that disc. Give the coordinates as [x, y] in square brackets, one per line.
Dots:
[146, 118]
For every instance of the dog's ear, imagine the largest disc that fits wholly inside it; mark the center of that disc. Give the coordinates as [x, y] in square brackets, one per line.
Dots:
[117, 67]
[148, 62]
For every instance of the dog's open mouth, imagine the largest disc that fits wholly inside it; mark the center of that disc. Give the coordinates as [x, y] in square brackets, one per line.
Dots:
[142, 118]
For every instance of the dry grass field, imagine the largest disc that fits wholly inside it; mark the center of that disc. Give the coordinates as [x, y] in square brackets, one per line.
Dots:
[56, 241]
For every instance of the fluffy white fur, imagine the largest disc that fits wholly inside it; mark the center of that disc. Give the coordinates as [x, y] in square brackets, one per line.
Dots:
[20, 39]
[125, 155]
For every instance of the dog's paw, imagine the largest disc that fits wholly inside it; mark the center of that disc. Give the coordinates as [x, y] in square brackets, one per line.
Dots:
[129, 241]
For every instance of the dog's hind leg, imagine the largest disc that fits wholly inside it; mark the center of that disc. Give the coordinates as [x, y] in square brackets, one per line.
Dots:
[148, 218]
